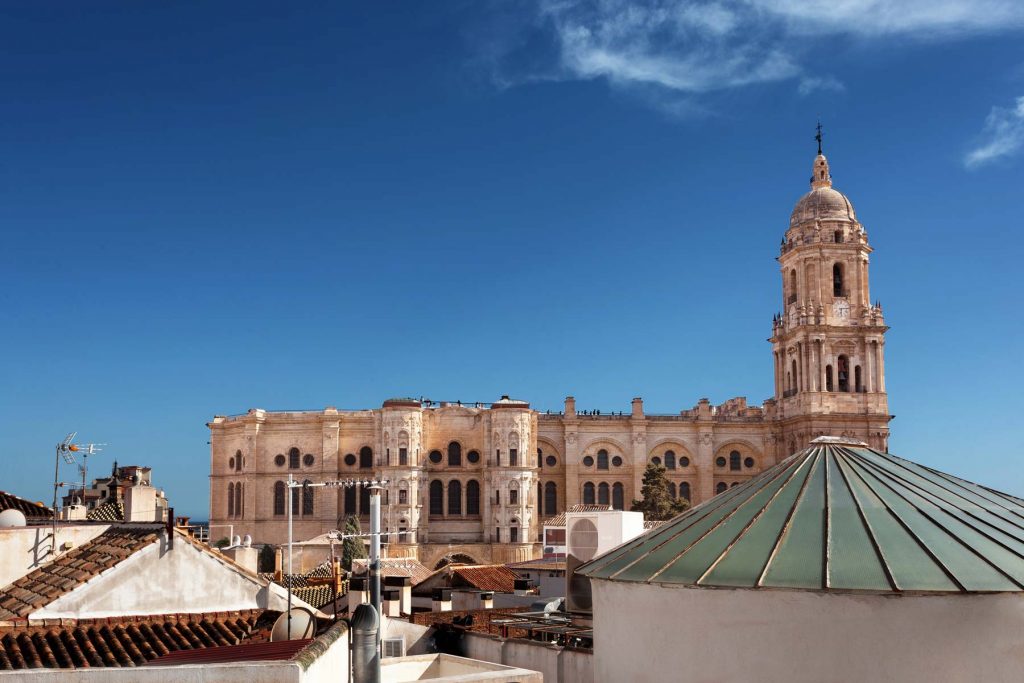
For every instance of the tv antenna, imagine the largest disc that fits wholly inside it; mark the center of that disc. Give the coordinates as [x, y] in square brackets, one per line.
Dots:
[66, 450]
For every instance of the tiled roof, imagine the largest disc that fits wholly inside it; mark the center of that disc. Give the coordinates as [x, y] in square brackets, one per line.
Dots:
[126, 641]
[559, 520]
[30, 509]
[107, 512]
[319, 596]
[492, 577]
[396, 566]
[836, 516]
[249, 652]
[548, 565]
[67, 572]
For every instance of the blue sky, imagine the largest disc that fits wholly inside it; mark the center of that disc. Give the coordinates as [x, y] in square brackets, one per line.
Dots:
[208, 207]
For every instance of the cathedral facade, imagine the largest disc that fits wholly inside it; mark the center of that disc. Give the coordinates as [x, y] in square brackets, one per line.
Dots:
[477, 480]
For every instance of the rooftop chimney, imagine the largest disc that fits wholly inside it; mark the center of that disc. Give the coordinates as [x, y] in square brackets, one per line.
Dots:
[441, 601]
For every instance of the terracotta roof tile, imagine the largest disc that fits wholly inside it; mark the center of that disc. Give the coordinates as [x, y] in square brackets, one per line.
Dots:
[127, 641]
[494, 577]
[110, 511]
[31, 510]
[319, 596]
[559, 519]
[70, 570]
[395, 566]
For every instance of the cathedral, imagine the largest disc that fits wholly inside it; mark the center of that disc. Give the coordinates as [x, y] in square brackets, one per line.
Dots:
[478, 480]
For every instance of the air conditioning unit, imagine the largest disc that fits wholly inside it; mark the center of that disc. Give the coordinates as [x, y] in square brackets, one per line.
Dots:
[589, 534]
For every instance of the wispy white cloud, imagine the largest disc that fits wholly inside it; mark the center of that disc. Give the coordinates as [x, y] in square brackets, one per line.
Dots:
[1003, 136]
[809, 84]
[697, 46]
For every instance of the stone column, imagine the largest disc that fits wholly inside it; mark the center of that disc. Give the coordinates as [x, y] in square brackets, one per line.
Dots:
[705, 484]
[572, 453]
[639, 438]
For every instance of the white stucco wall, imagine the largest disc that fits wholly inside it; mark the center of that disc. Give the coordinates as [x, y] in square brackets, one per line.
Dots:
[161, 580]
[657, 633]
[26, 548]
[558, 665]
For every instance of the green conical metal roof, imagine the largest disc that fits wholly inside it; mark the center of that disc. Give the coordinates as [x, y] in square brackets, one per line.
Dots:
[836, 517]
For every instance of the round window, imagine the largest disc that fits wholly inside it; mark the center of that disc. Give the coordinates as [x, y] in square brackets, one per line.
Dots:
[588, 461]
[551, 461]
[656, 460]
[684, 461]
[435, 457]
[231, 463]
[720, 461]
[749, 462]
[350, 460]
[473, 457]
[307, 460]
[617, 461]
[279, 460]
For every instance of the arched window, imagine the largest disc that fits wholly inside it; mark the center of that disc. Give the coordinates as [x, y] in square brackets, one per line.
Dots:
[293, 459]
[366, 458]
[602, 459]
[837, 236]
[513, 493]
[684, 490]
[231, 500]
[720, 487]
[455, 497]
[350, 501]
[296, 501]
[364, 500]
[735, 460]
[588, 494]
[513, 449]
[307, 499]
[551, 498]
[454, 454]
[238, 461]
[618, 496]
[670, 460]
[603, 497]
[858, 386]
[843, 374]
[436, 497]
[472, 497]
[239, 500]
[828, 378]
[403, 456]
[540, 458]
[279, 498]
[792, 287]
[672, 489]
[838, 286]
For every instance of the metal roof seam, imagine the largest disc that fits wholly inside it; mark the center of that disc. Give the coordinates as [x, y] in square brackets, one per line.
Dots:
[1014, 510]
[956, 511]
[970, 549]
[597, 563]
[752, 520]
[826, 565]
[870, 531]
[906, 526]
[710, 529]
[789, 520]
[953, 492]
[930, 499]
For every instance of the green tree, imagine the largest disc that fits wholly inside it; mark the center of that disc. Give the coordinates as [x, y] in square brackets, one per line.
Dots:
[351, 548]
[657, 504]
[222, 543]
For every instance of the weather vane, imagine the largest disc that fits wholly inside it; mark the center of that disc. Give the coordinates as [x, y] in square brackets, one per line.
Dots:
[818, 136]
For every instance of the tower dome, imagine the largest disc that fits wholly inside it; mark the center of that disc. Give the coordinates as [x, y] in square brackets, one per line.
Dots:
[823, 202]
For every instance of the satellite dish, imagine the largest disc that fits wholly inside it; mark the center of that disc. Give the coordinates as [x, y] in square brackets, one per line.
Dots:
[11, 518]
[303, 625]
[247, 541]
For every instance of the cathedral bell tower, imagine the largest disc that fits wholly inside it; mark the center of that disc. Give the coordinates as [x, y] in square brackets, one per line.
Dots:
[829, 342]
